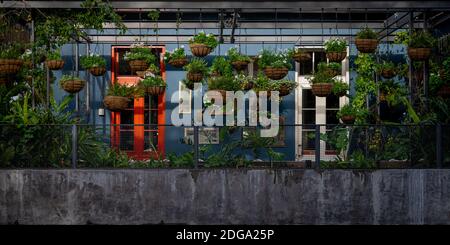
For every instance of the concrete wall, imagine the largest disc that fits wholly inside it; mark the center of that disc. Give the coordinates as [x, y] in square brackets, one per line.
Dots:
[225, 196]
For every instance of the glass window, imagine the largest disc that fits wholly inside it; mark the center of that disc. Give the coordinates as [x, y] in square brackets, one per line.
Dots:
[319, 56]
[308, 99]
[306, 67]
[332, 102]
[126, 140]
[150, 140]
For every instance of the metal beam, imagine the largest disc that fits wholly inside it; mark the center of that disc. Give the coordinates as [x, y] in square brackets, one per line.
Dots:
[398, 21]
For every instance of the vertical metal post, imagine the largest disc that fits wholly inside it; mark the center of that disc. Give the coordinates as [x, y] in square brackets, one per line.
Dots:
[195, 146]
[317, 146]
[74, 146]
[426, 65]
[410, 68]
[77, 96]
[439, 156]
[88, 82]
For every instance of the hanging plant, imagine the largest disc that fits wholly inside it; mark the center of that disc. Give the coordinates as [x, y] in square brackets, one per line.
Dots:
[196, 70]
[94, 63]
[10, 63]
[201, 44]
[153, 85]
[140, 57]
[72, 84]
[299, 55]
[275, 65]
[366, 40]
[419, 46]
[263, 84]
[118, 96]
[336, 49]
[238, 60]
[387, 69]
[35, 53]
[333, 68]
[221, 67]
[222, 84]
[321, 84]
[54, 60]
[347, 114]
[340, 88]
[245, 81]
[176, 58]
[392, 92]
[284, 87]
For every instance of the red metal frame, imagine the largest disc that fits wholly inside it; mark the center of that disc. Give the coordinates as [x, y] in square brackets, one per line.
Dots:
[138, 150]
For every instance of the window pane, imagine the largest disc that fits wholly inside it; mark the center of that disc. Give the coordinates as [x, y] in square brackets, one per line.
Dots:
[331, 117]
[332, 101]
[308, 140]
[126, 140]
[306, 67]
[126, 117]
[151, 102]
[150, 117]
[124, 68]
[150, 140]
[319, 56]
[309, 100]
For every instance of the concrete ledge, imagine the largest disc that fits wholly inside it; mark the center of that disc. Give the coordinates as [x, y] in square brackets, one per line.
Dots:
[224, 196]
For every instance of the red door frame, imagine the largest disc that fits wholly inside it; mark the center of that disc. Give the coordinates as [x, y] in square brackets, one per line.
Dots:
[138, 146]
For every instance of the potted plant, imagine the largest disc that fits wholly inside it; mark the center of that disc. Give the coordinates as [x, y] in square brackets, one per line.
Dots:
[118, 96]
[263, 84]
[245, 81]
[94, 63]
[196, 70]
[332, 68]
[220, 67]
[284, 87]
[321, 84]
[299, 55]
[54, 61]
[72, 84]
[222, 84]
[275, 65]
[441, 81]
[139, 57]
[336, 49]
[366, 40]
[340, 88]
[347, 114]
[153, 85]
[9, 60]
[176, 58]
[152, 70]
[419, 46]
[387, 69]
[201, 44]
[238, 60]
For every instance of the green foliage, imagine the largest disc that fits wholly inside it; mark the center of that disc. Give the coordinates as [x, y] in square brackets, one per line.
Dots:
[285, 83]
[334, 66]
[92, 61]
[151, 81]
[66, 78]
[243, 79]
[262, 83]
[340, 87]
[234, 55]
[393, 92]
[367, 33]
[293, 51]
[221, 66]
[226, 83]
[154, 16]
[421, 39]
[347, 110]
[54, 55]
[12, 51]
[386, 65]
[402, 37]
[117, 89]
[196, 65]
[321, 77]
[270, 58]
[335, 45]
[201, 38]
[139, 52]
[181, 160]
[177, 53]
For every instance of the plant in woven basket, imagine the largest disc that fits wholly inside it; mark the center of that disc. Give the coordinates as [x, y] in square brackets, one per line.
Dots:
[336, 49]
[177, 57]
[340, 88]
[196, 70]
[298, 54]
[53, 60]
[9, 59]
[190, 84]
[94, 63]
[139, 57]
[366, 40]
[263, 83]
[227, 83]
[387, 69]
[202, 44]
[392, 92]
[276, 65]
[238, 60]
[419, 45]
[118, 96]
[284, 86]
[332, 68]
[347, 114]
[221, 67]
[245, 81]
[154, 85]
[321, 83]
[71, 84]
[366, 33]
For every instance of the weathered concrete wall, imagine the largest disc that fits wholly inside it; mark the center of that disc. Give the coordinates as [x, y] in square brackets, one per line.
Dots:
[222, 196]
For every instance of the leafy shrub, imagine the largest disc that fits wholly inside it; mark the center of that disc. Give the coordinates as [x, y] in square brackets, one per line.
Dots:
[139, 52]
[196, 65]
[335, 66]
[273, 59]
[366, 33]
[54, 55]
[117, 89]
[421, 39]
[340, 87]
[262, 83]
[387, 65]
[177, 53]
[221, 66]
[92, 61]
[227, 83]
[335, 45]
[201, 38]
[152, 81]
[234, 55]
[13, 51]
[243, 79]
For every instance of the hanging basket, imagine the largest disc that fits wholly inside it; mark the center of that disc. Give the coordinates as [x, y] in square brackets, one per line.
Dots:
[200, 50]
[155, 90]
[178, 62]
[239, 65]
[348, 119]
[3, 79]
[116, 103]
[54, 64]
[248, 86]
[276, 73]
[419, 54]
[284, 91]
[366, 45]
[138, 65]
[444, 91]
[10, 66]
[73, 86]
[98, 71]
[321, 89]
[336, 56]
[332, 72]
[301, 57]
[194, 77]
[388, 73]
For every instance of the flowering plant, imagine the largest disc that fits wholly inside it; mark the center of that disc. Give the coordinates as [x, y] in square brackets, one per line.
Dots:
[274, 59]
[92, 60]
[201, 38]
[234, 55]
[177, 53]
[139, 52]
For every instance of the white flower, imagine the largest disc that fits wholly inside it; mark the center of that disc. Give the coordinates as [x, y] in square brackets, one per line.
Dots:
[202, 32]
[182, 46]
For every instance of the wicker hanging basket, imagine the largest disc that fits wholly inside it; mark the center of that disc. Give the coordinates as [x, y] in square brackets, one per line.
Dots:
[10, 66]
[194, 77]
[419, 54]
[116, 103]
[178, 62]
[444, 91]
[73, 86]
[200, 50]
[348, 119]
[301, 57]
[321, 89]
[239, 65]
[138, 65]
[247, 86]
[54, 64]
[366, 45]
[388, 73]
[336, 56]
[155, 90]
[284, 91]
[276, 73]
[3, 79]
[98, 71]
